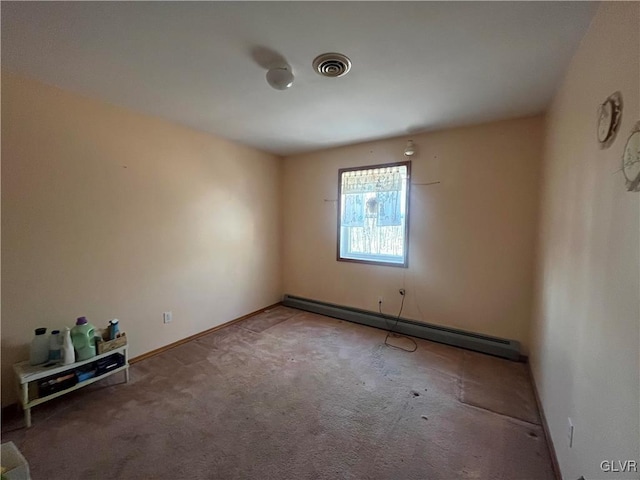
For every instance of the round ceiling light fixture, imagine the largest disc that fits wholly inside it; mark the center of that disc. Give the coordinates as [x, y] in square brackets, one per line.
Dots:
[410, 149]
[332, 65]
[280, 78]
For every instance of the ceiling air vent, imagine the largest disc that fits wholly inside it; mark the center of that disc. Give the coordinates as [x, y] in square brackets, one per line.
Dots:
[332, 64]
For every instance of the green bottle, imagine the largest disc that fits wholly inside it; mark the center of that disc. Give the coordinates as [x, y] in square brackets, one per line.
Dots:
[82, 338]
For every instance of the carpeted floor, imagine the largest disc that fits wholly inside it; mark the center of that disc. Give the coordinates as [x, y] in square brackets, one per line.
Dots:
[293, 395]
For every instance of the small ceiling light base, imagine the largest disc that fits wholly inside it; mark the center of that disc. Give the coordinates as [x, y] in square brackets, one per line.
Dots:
[280, 78]
[410, 149]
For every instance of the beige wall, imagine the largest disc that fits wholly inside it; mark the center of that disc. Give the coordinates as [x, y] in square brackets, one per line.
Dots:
[586, 330]
[471, 236]
[109, 213]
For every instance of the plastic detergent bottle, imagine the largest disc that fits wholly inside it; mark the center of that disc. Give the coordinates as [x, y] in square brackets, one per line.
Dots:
[82, 337]
[68, 353]
[54, 346]
[39, 352]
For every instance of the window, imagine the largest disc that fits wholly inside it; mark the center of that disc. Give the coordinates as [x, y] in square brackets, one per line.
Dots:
[373, 211]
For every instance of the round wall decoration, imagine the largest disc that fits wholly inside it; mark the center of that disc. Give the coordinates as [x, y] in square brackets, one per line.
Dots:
[609, 114]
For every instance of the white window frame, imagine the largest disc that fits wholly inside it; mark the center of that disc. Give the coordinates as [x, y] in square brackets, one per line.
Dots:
[373, 259]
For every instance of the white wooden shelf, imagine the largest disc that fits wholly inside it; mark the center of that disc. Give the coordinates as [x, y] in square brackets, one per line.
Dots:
[27, 374]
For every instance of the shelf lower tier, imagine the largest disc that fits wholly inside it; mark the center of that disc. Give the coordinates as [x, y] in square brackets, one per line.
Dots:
[38, 401]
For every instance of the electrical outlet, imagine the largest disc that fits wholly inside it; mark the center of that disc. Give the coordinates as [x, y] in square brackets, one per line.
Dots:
[570, 432]
[167, 317]
[402, 291]
[380, 300]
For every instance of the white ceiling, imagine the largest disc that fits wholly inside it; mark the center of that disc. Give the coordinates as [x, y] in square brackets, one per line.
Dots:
[417, 66]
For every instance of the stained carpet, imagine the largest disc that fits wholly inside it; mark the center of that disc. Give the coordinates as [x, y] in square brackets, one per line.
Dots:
[293, 395]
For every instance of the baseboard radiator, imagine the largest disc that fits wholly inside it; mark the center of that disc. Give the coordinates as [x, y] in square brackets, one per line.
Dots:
[499, 347]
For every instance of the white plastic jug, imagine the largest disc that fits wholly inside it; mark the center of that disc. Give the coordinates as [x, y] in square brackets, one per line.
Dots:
[39, 352]
[68, 353]
[54, 346]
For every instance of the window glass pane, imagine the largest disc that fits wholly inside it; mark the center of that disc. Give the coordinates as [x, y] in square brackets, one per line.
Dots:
[373, 212]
